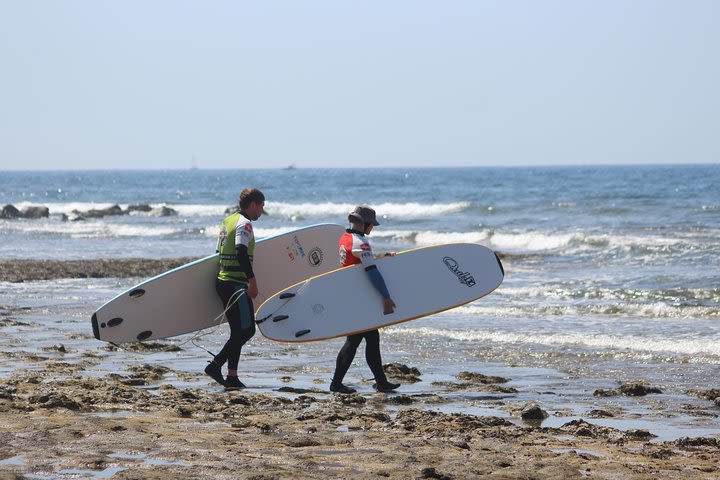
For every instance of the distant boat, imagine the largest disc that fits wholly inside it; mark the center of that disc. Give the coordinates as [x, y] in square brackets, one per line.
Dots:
[290, 167]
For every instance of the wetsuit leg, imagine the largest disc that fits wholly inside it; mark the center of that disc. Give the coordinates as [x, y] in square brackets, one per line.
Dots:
[241, 319]
[346, 355]
[372, 355]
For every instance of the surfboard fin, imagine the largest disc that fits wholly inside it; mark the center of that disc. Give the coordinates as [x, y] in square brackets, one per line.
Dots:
[285, 295]
[260, 320]
[300, 333]
[143, 335]
[279, 318]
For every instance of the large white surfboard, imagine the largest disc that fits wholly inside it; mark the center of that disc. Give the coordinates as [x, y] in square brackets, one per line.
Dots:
[343, 302]
[184, 299]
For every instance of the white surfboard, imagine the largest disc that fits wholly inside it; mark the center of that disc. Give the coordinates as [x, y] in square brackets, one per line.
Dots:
[184, 299]
[421, 282]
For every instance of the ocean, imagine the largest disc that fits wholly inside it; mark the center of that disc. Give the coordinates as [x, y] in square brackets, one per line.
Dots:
[612, 272]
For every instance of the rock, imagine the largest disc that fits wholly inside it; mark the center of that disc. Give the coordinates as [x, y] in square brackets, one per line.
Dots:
[638, 434]
[480, 378]
[163, 212]
[712, 394]
[637, 389]
[105, 212]
[606, 393]
[138, 208]
[698, 442]
[600, 414]
[432, 473]
[401, 399]
[402, 372]
[532, 411]
[35, 212]
[10, 212]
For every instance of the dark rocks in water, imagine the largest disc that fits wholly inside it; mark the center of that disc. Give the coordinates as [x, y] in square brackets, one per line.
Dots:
[581, 428]
[401, 399]
[633, 389]
[10, 212]
[138, 208]
[104, 212]
[35, 212]
[402, 372]
[532, 411]
[600, 414]
[637, 389]
[475, 378]
[163, 212]
[712, 394]
[300, 390]
[639, 434]
[60, 348]
[606, 393]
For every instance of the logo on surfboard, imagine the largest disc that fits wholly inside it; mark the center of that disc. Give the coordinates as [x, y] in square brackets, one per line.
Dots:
[465, 278]
[315, 257]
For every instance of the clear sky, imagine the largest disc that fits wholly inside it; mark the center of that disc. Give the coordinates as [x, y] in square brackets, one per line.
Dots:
[234, 84]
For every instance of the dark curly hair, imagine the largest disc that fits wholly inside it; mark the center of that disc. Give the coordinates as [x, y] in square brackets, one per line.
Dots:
[248, 196]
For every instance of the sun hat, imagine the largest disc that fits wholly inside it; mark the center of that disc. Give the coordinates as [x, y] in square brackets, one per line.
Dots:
[363, 213]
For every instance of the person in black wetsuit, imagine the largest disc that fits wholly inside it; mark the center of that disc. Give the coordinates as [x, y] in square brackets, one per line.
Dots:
[355, 249]
[236, 284]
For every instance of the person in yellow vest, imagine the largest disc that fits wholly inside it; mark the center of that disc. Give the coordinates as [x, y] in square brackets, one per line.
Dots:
[236, 284]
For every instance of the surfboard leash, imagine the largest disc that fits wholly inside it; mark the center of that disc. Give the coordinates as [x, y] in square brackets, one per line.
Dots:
[237, 295]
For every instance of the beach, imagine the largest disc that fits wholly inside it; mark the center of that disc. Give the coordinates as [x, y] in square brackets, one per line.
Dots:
[73, 407]
[597, 357]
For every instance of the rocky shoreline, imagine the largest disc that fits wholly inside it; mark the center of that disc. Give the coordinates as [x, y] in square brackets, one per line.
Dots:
[61, 422]
[11, 212]
[25, 270]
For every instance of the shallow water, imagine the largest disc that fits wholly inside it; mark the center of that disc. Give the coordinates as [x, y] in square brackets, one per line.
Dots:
[561, 380]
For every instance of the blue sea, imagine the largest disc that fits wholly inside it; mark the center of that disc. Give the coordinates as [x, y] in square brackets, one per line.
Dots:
[612, 272]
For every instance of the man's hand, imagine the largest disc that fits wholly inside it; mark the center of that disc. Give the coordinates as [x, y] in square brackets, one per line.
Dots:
[252, 288]
[388, 306]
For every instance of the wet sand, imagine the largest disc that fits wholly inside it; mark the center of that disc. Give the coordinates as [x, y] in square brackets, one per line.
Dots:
[78, 409]
[60, 423]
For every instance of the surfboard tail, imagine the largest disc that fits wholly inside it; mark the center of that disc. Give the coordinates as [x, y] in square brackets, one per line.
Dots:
[502, 269]
[95, 327]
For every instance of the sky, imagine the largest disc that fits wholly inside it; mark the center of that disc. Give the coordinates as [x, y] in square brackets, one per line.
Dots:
[93, 84]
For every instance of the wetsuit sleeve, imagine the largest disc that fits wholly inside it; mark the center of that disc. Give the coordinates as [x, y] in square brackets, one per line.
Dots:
[378, 281]
[363, 251]
[244, 260]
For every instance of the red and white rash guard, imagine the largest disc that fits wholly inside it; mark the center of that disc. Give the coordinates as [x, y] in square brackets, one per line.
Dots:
[354, 249]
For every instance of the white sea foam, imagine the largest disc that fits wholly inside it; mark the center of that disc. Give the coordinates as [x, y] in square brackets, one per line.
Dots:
[212, 231]
[654, 344]
[341, 210]
[94, 229]
[574, 309]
